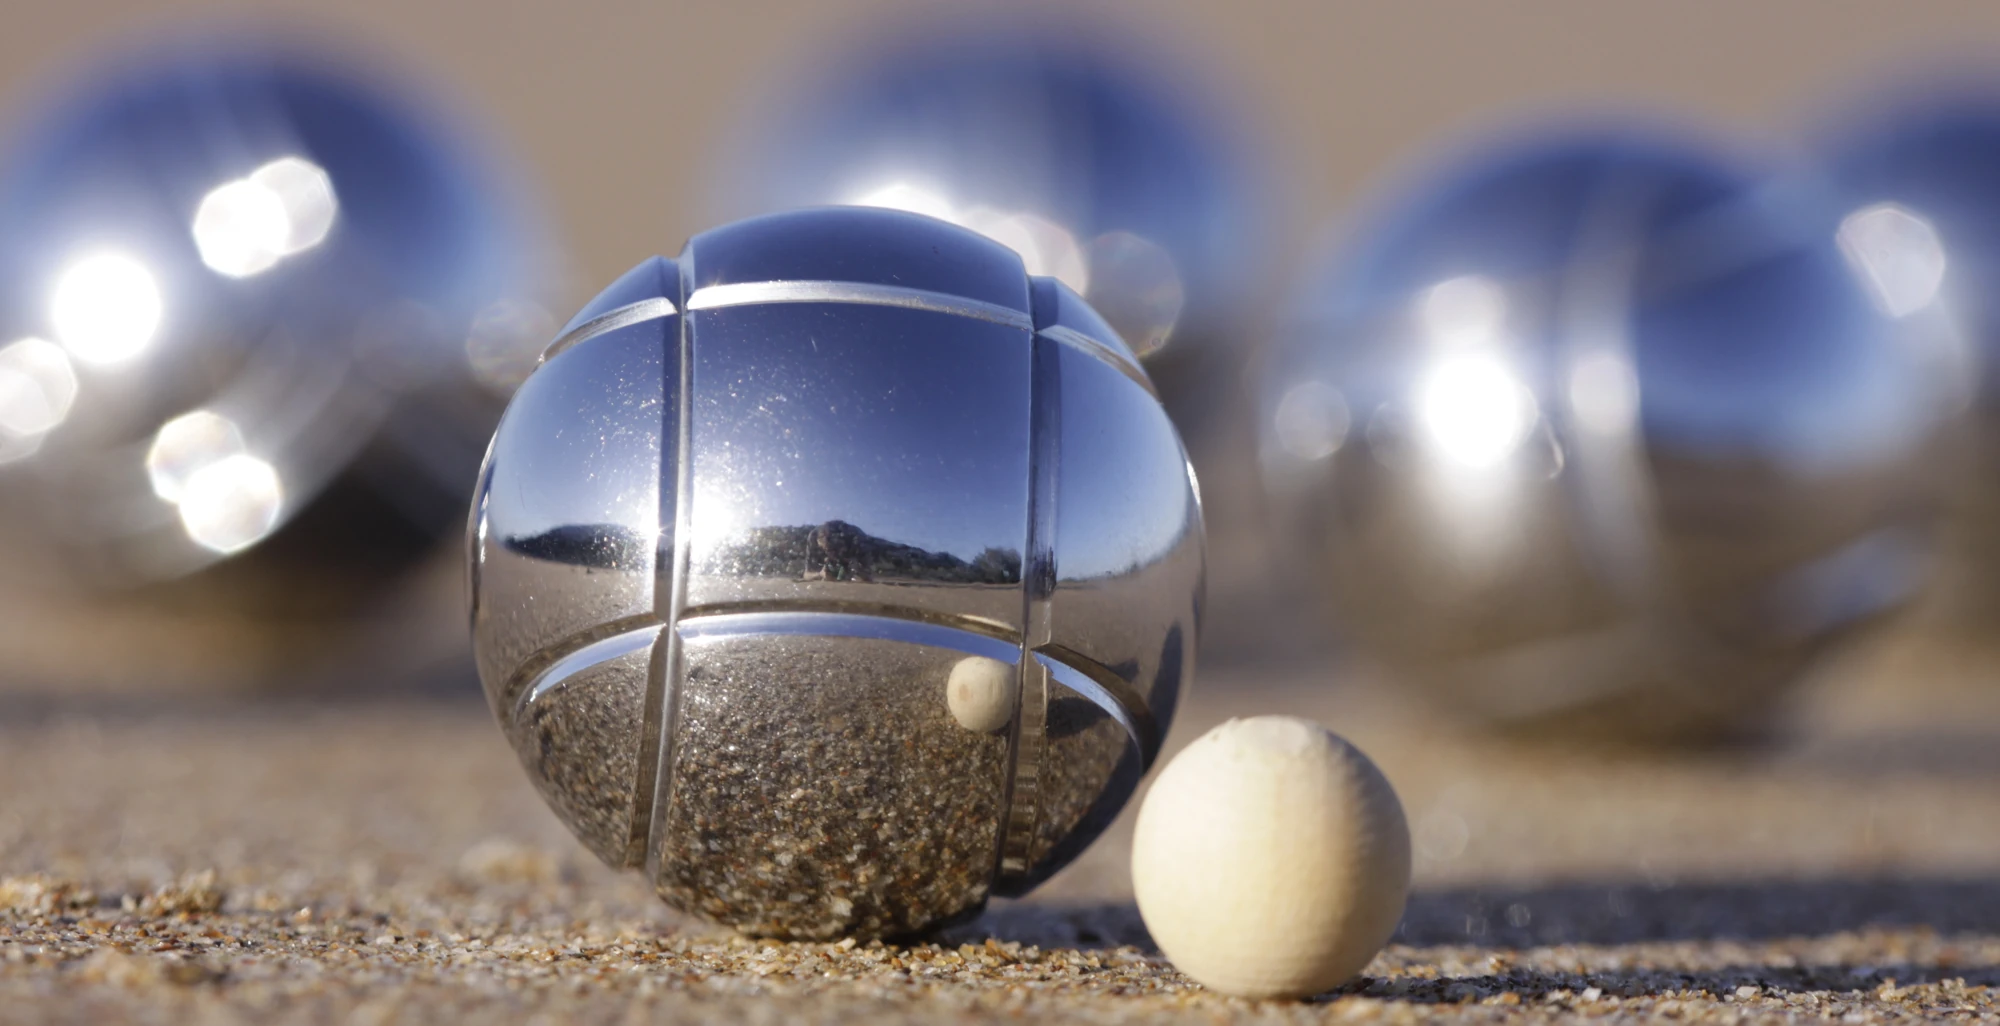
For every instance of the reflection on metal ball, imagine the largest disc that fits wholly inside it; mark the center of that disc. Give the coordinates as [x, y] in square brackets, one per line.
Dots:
[981, 694]
[1099, 168]
[1602, 432]
[1919, 183]
[238, 277]
[752, 517]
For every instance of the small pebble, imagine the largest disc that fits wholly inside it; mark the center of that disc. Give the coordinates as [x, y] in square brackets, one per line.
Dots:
[1271, 859]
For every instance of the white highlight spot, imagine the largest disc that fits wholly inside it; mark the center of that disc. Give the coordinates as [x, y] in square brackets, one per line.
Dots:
[186, 445]
[911, 198]
[1898, 253]
[306, 194]
[105, 308]
[245, 226]
[1311, 420]
[1473, 410]
[37, 387]
[232, 503]
[1046, 248]
[240, 228]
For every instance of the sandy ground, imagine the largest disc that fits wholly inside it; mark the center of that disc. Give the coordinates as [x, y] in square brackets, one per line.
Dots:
[386, 861]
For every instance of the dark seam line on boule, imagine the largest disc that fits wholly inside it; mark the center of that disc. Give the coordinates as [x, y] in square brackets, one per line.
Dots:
[623, 317]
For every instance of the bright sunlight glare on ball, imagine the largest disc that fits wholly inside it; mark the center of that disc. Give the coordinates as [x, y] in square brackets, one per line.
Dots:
[37, 387]
[1473, 410]
[1898, 254]
[245, 226]
[105, 308]
[186, 445]
[232, 503]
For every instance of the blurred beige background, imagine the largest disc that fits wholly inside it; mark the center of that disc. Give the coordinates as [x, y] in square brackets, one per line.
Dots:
[617, 109]
[612, 103]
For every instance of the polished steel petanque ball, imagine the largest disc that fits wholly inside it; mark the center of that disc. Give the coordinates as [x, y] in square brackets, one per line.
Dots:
[838, 574]
[249, 289]
[1098, 160]
[1601, 434]
[1919, 181]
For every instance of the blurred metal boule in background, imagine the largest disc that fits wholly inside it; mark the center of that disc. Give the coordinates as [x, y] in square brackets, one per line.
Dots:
[260, 305]
[1919, 176]
[1602, 436]
[1069, 147]
[1098, 154]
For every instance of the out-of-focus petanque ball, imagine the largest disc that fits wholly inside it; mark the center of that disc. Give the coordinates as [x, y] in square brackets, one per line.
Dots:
[1918, 180]
[260, 305]
[242, 278]
[1271, 859]
[837, 574]
[1604, 433]
[1101, 163]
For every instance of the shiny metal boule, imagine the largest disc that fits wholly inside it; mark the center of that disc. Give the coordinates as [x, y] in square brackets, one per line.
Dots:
[260, 306]
[1601, 434]
[752, 540]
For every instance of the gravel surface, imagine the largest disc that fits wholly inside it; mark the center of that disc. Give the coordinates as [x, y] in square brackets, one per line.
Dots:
[388, 862]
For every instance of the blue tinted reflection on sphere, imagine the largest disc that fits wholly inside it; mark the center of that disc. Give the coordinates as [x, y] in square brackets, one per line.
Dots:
[1920, 182]
[768, 510]
[252, 274]
[1603, 430]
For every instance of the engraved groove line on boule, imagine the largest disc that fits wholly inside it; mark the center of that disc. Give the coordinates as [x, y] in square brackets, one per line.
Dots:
[621, 317]
[544, 671]
[820, 624]
[593, 654]
[656, 765]
[1097, 347]
[757, 293]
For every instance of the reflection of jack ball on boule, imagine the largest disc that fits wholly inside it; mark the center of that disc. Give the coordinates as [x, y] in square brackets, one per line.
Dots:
[980, 694]
[1271, 859]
